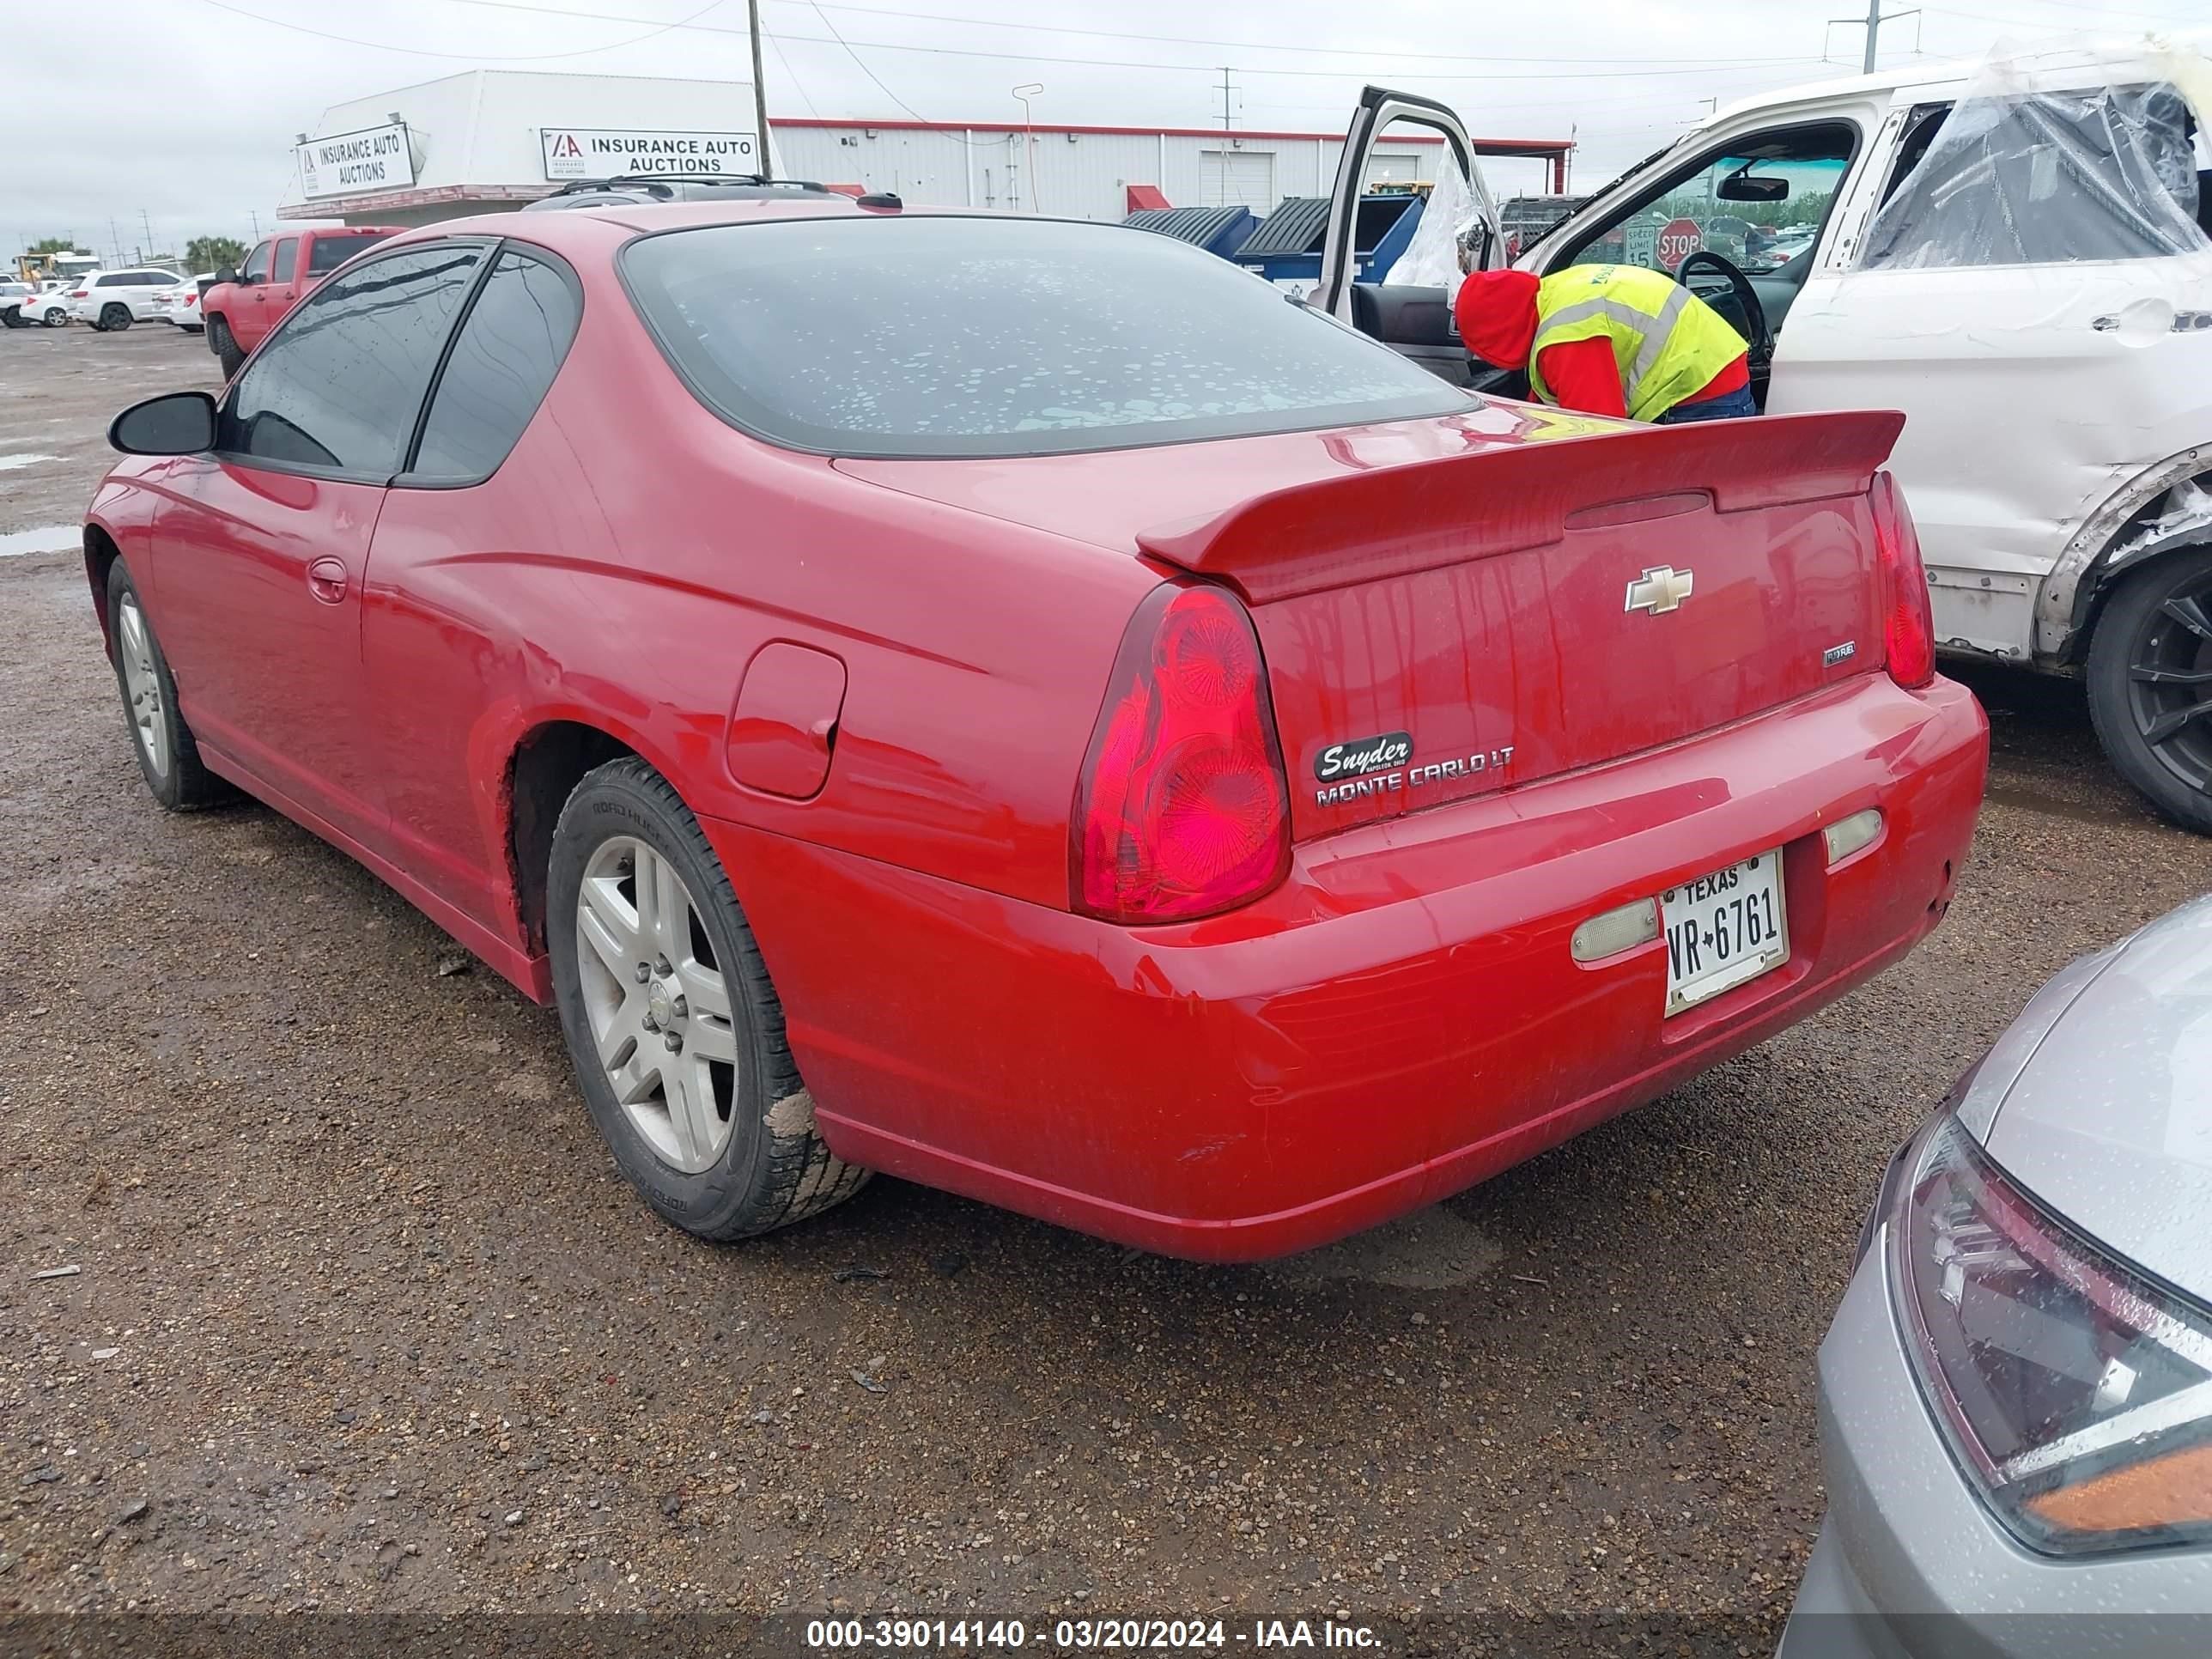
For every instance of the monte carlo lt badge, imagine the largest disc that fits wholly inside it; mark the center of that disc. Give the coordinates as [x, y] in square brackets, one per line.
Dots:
[1379, 766]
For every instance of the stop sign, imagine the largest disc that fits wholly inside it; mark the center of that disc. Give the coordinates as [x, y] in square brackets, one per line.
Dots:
[1678, 240]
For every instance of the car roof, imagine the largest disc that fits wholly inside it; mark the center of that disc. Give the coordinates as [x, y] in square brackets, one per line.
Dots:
[587, 226]
[2114, 60]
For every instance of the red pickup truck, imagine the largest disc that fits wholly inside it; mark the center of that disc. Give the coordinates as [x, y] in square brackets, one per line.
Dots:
[243, 305]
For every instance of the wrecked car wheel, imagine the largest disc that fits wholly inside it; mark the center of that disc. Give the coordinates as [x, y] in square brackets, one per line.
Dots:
[673, 1025]
[2151, 685]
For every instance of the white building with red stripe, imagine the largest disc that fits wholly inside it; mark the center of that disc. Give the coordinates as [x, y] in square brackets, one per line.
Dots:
[489, 140]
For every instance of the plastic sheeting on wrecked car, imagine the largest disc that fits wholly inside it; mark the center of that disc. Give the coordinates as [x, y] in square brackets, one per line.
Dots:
[2027, 170]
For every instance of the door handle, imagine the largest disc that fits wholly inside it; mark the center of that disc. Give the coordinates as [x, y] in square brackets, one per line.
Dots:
[326, 580]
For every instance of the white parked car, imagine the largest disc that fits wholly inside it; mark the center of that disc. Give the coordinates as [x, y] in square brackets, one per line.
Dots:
[2015, 255]
[12, 295]
[117, 299]
[181, 305]
[49, 306]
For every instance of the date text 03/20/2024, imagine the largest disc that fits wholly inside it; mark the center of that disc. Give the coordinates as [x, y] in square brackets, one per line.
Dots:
[1085, 1635]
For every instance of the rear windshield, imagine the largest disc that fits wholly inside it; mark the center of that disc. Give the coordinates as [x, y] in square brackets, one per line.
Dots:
[330, 251]
[947, 335]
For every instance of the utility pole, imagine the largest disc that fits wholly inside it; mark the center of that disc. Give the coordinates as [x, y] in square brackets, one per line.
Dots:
[256, 218]
[1226, 118]
[760, 89]
[1875, 18]
[115, 239]
[147, 225]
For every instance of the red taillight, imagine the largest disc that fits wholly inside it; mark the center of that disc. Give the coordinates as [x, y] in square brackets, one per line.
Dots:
[1908, 630]
[1182, 809]
[82, 294]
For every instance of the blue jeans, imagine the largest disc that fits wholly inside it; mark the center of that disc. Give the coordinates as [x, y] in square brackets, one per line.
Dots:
[1728, 406]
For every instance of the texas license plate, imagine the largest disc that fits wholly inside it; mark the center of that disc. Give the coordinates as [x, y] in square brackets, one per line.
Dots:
[1724, 929]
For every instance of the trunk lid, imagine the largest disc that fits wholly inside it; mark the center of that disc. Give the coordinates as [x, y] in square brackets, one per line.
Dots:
[1453, 607]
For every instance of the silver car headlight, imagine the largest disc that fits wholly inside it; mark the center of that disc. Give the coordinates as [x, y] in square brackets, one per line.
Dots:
[2076, 1392]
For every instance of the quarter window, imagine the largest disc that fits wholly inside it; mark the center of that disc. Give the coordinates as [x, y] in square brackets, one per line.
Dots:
[341, 382]
[2046, 177]
[509, 350]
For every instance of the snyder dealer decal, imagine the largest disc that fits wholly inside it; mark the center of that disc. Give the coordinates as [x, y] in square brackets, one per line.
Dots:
[1383, 766]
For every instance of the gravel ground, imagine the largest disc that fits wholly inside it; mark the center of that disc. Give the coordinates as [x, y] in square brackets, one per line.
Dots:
[363, 1317]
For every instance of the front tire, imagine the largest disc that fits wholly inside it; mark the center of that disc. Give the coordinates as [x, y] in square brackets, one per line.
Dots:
[169, 758]
[672, 1021]
[224, 344]
[2151, 685]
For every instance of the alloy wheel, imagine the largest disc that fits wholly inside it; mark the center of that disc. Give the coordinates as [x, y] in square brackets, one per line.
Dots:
[142, 683]
[659, 1006]
[2169, 684]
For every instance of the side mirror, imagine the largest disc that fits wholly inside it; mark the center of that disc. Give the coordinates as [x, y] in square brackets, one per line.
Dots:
[226, 274]
[176, 424]
[1742, 187]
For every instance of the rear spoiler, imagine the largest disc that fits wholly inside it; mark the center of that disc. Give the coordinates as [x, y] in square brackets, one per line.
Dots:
[1392, 520]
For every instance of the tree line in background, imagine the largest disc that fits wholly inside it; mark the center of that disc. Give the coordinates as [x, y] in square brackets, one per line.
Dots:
[201, 253]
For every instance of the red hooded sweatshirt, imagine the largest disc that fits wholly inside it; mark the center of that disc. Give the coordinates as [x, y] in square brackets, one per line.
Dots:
[1496, 312]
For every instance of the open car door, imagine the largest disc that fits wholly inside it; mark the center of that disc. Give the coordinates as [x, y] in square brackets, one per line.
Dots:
[1413, 316]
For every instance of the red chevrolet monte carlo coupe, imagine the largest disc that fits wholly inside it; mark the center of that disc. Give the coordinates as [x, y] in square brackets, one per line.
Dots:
[1017, 705]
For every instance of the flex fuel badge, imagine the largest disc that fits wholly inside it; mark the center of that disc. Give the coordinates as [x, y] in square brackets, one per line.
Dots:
[1383, 765]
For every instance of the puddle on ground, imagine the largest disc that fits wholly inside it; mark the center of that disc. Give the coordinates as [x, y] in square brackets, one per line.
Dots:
[46, 538]
[1432, 1249]
[13, 462]
[2028, 799]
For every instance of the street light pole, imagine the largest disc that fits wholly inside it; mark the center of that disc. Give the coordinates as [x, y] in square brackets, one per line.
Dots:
[1024, 92]
[760, 91]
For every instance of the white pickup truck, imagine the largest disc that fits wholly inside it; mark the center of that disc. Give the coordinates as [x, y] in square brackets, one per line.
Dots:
[2015, 254]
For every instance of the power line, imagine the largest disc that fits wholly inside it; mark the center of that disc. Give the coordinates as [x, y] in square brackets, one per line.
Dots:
[1235, 45]
[1707, 66]
[481, 57]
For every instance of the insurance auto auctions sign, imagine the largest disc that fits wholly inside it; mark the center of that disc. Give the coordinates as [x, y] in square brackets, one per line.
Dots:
[355, 163]
[608, 152]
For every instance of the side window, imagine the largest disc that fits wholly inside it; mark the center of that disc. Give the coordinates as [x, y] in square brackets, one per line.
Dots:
[1759, 205]
[287, 262]
[341, 382]
[257, 265]
[116, 280]
[510, 347]
[2013, 177]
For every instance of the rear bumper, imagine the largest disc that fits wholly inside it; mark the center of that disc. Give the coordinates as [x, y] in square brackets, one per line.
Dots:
[1401, 1019]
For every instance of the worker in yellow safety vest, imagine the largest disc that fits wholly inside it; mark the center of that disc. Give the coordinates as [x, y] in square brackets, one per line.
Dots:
[1608, 340]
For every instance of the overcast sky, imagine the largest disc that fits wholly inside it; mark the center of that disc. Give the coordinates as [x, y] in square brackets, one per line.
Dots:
[184, 111]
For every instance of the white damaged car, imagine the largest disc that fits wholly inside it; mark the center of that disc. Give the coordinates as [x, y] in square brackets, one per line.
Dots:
[2015, 253]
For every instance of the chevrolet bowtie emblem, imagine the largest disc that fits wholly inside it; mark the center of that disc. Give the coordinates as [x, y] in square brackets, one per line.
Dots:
[1660, 589]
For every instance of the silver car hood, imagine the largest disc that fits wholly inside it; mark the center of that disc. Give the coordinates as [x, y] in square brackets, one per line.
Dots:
[2109, 1119]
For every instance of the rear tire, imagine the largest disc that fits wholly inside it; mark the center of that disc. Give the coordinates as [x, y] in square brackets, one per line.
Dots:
[2151, 685]
[169, 758]
[115, 318]
[54, 317]
[225, 347]
[672, 1021]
